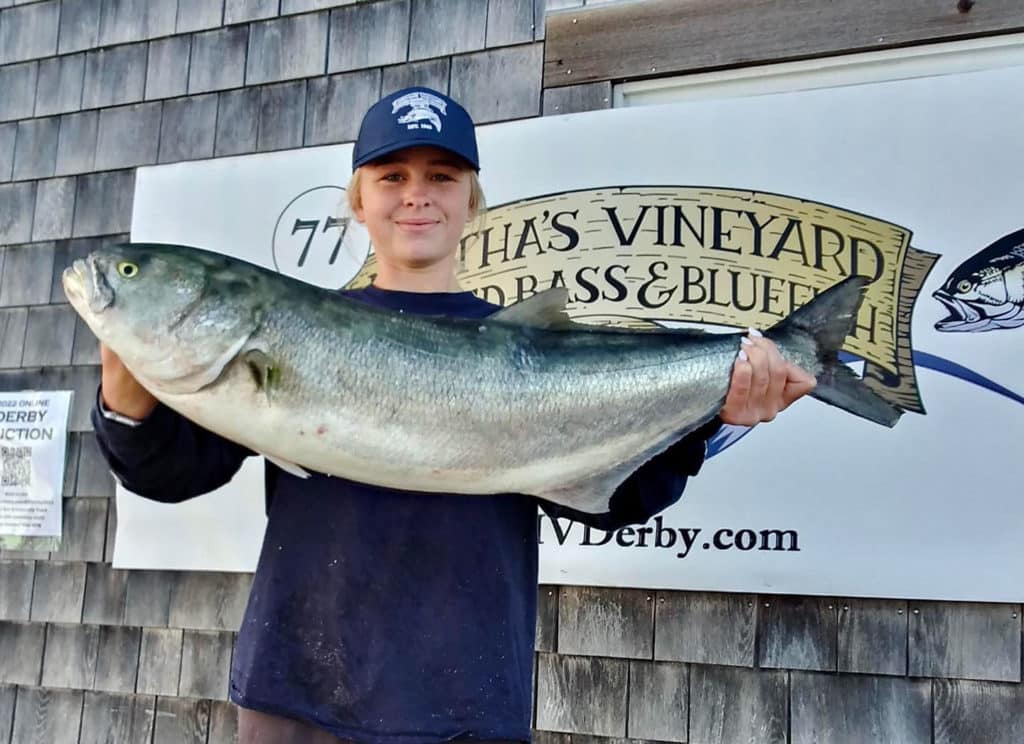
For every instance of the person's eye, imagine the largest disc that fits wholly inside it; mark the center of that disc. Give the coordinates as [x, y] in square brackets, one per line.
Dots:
[392, 177]
[442, 177]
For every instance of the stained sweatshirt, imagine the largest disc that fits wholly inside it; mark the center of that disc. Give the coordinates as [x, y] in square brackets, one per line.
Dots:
[384, 616]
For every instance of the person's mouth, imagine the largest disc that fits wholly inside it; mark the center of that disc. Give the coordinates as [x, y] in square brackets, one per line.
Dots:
[416, 224]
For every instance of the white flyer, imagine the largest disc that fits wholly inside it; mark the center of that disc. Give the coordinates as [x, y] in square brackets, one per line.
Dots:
[33, 446]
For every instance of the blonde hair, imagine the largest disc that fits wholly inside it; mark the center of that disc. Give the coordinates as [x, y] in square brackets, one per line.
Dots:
[477, 204]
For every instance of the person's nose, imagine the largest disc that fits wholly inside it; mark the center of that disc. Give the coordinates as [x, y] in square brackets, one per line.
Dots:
[417, 192]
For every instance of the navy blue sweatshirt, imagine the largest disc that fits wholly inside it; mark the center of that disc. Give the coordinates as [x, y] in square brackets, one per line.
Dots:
[384, 616]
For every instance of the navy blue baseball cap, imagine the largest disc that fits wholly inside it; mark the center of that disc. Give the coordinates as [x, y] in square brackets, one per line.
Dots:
[411, 117]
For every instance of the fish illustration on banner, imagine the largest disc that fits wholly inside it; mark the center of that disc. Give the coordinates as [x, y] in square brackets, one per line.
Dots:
[986, 292]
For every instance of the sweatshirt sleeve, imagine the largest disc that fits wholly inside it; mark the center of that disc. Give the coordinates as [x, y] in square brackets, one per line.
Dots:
[654, 487]
[166, 457]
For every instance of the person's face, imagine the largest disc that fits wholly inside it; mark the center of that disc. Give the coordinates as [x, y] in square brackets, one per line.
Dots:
[415, 205]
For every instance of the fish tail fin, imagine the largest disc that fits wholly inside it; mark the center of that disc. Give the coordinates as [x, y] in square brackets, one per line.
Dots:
[826, 321]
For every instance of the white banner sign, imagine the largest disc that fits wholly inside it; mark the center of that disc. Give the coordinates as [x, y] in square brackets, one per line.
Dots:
[33, 445]
[726, 212]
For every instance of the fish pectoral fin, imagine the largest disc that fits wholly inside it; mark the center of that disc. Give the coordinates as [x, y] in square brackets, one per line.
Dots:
[288, 467]
[265, 371]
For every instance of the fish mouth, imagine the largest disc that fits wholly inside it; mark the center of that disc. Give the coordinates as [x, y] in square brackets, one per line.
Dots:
[963, 316]
[86, 287]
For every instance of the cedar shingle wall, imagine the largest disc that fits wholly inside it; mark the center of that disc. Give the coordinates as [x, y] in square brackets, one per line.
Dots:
[91, 89]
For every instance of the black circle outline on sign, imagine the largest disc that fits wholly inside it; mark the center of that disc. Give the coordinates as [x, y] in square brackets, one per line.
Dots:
[273, 251]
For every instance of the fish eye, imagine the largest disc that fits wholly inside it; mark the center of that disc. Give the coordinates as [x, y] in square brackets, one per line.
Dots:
[127, 269]
[963, 286]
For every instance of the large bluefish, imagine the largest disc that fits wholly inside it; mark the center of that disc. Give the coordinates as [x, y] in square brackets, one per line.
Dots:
[986, 292]
[522, 402]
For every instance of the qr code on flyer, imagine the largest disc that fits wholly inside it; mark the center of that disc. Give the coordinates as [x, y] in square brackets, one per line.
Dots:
[16, 466]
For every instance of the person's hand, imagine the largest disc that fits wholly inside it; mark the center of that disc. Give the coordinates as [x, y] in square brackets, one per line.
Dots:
[763, 383]
[121, 392]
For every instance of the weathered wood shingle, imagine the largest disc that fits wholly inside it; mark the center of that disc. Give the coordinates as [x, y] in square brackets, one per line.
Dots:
[705, 628]
[85, 528]
[50, 333]
[658, 701]
[238, 11]
[29, 31]
[54, 210]
[94, 478]
[237, 121]
[59, 592]
[12, 335]
[988, 712]
[287, 48]
[8, 134]
[128, 136]
[16, 579]
[368, 35]
[76, 143]
[188, 128]
[60, 84]
[148, 601]
[547, 618]
[195, 15]
[7, 695]
[335, 105]
[103, 203]
[206, 600]
[79, 25]
[70, 657]
[432, 73]
[181, 721]
[117, 665]
[47, 716]
[205, 664]
[35, 150]
[106, 591]
[798, 633]
[117, 719]
[115, 75]
[282, 116]
[582, 695]
[159, 661]
[223, 723]
[597, 621]
[573, 99]
[499, 84]
[873, 637]
[130, 20]
[167, 69]
[21, 648]
[218, 59]
[859, 709]
[18, 82]
[27, 271]
[730, 705]
[509, 22]
[443, 27]
[965, 641]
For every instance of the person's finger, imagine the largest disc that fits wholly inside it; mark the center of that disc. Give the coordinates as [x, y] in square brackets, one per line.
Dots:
[760, 372]
[734, 410]
[777, 375]
[799, 382]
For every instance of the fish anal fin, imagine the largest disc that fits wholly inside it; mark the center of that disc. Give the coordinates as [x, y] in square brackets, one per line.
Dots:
[288, 467]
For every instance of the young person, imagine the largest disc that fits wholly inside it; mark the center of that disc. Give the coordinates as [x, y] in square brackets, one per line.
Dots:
[376, 615]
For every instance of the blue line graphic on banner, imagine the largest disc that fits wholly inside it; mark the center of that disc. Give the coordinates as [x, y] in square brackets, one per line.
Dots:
[729, 434]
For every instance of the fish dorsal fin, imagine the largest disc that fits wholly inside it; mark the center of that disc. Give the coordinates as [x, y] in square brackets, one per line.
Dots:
[544, 310]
